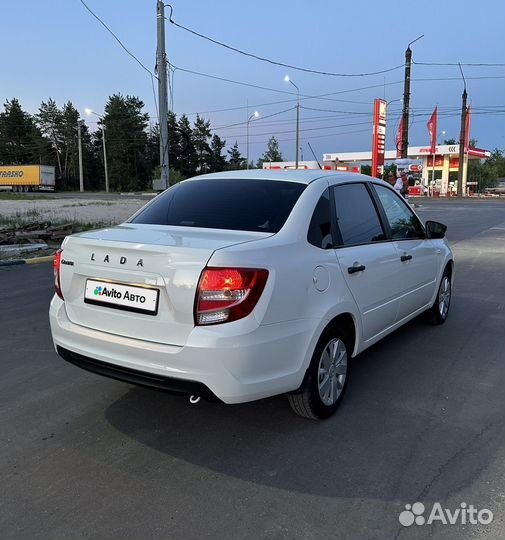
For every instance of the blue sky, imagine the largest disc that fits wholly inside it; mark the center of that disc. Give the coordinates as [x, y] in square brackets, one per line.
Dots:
[55, 48]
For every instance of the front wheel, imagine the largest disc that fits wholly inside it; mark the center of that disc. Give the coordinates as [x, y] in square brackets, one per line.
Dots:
[440, 310]
[326, 379]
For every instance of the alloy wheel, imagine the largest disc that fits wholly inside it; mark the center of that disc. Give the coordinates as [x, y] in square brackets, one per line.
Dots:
[444, 297]
[332, 371]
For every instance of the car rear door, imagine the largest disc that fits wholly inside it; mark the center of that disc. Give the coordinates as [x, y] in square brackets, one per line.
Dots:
[416, 255]
[369, 261]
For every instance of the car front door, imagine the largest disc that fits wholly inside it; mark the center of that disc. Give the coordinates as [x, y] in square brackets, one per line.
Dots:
[416, 255]
[368, 260]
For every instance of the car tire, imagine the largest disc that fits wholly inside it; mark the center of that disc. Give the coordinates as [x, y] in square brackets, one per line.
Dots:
[439, 311]
[326, 379]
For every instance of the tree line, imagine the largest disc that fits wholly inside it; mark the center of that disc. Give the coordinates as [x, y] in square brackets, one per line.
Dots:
[50, 137]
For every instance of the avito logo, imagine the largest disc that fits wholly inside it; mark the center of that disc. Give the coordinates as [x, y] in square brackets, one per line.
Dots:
[113, 293]
[104, 291]
[98, 291]
[465, 514]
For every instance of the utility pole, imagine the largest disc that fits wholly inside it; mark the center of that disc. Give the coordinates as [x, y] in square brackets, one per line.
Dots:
[105, 160]
[462, 138]
[297, 125]
[249, 118]
[79, 138]
[406, 99]
[161, 61]
[288, 80]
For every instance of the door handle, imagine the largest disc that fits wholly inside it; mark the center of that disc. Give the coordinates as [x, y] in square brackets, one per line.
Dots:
[405, 258]
[356, 268]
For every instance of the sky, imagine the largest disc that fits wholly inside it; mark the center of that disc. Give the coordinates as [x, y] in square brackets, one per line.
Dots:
[55, 48]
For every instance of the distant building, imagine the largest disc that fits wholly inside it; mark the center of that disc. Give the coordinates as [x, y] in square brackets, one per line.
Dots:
[443, 169]
[303, 165]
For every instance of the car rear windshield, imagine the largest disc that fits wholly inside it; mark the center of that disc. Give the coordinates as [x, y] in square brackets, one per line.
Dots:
[236, 204]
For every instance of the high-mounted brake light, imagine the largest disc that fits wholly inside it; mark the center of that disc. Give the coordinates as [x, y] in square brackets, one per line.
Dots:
[56, 272]
[227, 294]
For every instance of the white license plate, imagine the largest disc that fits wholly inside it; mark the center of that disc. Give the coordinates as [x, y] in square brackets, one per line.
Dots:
[122, 296]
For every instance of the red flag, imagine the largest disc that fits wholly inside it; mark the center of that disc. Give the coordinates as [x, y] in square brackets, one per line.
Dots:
[467, 129]
[432, 129]
[398, 139]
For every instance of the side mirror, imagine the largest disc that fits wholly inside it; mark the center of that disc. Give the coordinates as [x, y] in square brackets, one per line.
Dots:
[434, 229]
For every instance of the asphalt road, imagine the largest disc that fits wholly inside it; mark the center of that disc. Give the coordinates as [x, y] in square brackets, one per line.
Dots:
[84, 457]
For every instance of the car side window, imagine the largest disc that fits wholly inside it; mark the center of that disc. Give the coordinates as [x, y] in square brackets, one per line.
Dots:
[357, 219]
[402, 221]
[319, 233]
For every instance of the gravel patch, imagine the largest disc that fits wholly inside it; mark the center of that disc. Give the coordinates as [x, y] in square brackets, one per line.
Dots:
[84, 211]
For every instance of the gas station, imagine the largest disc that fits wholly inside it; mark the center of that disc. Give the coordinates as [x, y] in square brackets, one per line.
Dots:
[443, 170]
[433, 170]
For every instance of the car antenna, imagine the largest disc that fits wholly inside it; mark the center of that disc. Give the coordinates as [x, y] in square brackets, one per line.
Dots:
[313, 153]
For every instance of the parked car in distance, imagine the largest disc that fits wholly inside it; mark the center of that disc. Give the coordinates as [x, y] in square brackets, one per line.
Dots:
[241, 285]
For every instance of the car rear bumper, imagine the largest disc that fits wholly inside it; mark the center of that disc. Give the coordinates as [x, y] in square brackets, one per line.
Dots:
[134, 376]
[228, 362]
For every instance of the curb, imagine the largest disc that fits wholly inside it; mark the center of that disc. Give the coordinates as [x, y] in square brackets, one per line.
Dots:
[34, 260]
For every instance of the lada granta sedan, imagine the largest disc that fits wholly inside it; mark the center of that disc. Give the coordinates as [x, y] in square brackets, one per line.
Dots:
[241, 285]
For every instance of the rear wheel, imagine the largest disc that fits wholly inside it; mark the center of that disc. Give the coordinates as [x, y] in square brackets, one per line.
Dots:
[326, 379]
[440, 309]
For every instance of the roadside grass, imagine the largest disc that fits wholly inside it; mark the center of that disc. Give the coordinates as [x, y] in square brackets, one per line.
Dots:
[32, 216]
[91, 203]
[10, 196]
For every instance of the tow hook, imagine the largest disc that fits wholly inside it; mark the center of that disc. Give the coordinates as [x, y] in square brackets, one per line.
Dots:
[194, 399]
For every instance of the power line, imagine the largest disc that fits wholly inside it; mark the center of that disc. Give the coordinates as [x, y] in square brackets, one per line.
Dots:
[258, 120]
[468, 64]
[324, 97]
[394, 115]
[232, 81]
[275, 62]
[335, 111]
[419, 118]
[117, 39]
[306, 120]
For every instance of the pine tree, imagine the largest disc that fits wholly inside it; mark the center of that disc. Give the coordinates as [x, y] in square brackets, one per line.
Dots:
[49, 120]
[201, 136]
[70, 146]
[236, 161]
[272, 152]
[174, 142]
[217, 160]
[188, 158]
[21, 141]
[126, 139]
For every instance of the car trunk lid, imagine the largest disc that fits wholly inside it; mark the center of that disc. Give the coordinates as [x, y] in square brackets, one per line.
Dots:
[167, 259]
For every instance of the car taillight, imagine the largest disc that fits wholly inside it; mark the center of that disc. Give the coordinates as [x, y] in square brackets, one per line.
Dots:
[227, 294]
[56, 272]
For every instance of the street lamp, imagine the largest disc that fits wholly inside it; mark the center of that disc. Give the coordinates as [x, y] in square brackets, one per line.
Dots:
[255, 114]
[288, 80]
[89, 112]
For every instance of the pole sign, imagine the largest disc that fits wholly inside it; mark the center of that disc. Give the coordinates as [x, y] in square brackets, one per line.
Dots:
[379, 137]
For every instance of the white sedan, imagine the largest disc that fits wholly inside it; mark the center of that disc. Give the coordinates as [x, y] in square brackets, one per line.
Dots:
[241, 285]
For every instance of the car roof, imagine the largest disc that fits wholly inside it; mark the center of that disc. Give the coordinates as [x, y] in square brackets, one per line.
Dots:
[302, 177]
